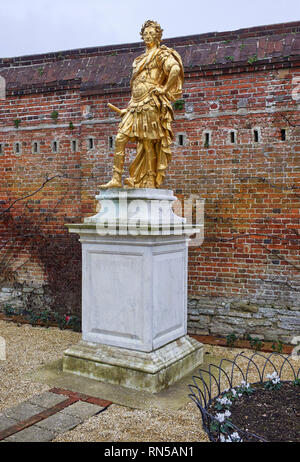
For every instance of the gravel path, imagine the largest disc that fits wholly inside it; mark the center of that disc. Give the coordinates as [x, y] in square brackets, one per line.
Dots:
[28, 347]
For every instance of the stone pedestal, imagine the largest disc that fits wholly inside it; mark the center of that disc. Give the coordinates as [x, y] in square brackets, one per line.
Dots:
[134, 301]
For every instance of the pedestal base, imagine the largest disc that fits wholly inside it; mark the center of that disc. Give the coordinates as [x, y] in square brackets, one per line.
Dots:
[139, 370]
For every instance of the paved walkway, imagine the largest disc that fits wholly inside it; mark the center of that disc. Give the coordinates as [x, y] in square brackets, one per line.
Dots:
[42, 417]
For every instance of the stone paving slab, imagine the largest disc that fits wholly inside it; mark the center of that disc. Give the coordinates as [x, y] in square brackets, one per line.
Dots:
[23, 411]
[42, 417]
[46, 399]
[33, 434]
[83, 410]
[6, 422]
[60, 422]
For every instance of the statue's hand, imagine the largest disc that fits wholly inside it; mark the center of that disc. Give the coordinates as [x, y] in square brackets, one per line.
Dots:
[123, 112]
[159, 91]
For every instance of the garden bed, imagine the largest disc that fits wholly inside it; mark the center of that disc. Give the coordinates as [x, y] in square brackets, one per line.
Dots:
[63, 321]
[252, 397]
[252, 344]
[271, 414]
[73, 322]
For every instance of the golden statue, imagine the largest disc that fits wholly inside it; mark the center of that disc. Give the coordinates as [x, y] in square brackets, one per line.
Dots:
[157, 80]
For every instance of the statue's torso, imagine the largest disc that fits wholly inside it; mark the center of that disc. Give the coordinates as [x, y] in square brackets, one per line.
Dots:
[150, 77]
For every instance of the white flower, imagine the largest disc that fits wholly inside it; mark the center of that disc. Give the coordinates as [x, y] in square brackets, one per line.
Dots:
[235, 436]
[225, 440]
[220, 417]
[274, 378]
[233, 391]
[245, 384]
[224, 401]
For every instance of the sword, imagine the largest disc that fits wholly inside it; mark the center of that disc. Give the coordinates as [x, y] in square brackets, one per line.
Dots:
[114, 108]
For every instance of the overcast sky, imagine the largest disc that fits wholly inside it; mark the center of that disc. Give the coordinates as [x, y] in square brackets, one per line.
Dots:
[40, 26]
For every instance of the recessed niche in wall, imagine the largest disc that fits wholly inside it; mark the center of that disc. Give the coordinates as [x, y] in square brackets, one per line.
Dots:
[55, 146]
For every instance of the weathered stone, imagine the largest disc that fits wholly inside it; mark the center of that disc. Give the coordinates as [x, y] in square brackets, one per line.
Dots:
[221, 328]
[201, 332]
[60, 422]
[47, 399]
[152, 371]
[32, 434]
[244, 306]
[290, 323]
[259, 322]
[238, 314]
[23, 411]
[272, 313]
[206, 310]
[193, 318]
[6, 290]
[83, 410]
[6, 422]
[230, 320]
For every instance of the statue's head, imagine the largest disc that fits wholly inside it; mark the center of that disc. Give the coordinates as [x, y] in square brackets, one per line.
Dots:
[153, 28]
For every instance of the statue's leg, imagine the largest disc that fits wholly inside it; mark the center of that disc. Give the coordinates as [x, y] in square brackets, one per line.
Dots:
[119, 156]
[151, 164]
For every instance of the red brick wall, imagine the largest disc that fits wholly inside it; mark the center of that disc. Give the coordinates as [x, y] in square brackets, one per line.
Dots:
[249, 259]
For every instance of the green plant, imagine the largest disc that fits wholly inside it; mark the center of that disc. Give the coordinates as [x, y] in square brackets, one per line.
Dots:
[229, 58]
[231, 340]
[45, 316]
[40, 71]
[255, 342]
[296, 382]
[17, 123]
[75, 323]
[277, 346]
[242, 46]
[274, 382]
[244, 389]
[54, 115]
[221, 422]
[61, 320]
[252, 59]
[32, 316]
[178, 105]
[71, 126]
[9, 310]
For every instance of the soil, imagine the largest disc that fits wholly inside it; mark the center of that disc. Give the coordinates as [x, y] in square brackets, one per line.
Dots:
[265, 345]
[273, 415]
